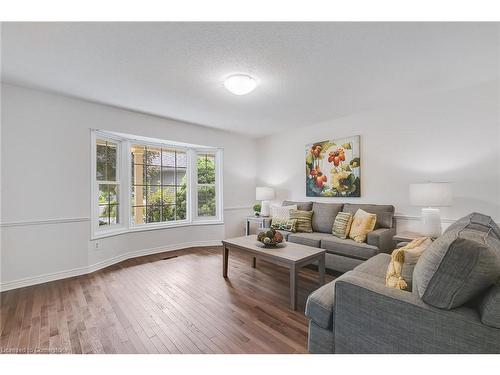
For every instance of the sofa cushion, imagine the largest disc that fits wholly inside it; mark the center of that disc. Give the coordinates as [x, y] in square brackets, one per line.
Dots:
[324, 216]
[348, 247]
[303, 206]
[490, 307]
[385, 213]
[319, 305]
[309, 239]
[340, 263]
[476, 221]
[457, 266]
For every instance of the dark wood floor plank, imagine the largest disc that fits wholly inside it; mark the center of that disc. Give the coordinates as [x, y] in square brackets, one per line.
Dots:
[175, 302]
[169, 300]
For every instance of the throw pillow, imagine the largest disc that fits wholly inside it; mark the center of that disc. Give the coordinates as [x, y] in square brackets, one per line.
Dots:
[304, 220]
[303, 206]
[457, 267]
[282, 212]
[403, 261]
[362, 224]
[342, 224]
[288, 225]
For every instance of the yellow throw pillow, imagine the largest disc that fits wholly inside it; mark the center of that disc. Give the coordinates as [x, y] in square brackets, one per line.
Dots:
[362, 224]
[403, 261]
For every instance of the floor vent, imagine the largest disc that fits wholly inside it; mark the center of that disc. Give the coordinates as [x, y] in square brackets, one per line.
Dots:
[167, 258]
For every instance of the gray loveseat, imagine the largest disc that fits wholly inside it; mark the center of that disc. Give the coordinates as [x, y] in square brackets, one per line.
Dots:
[344, 254]
[454, 306]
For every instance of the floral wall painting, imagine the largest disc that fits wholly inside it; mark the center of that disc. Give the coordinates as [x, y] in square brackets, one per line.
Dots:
[333, 168]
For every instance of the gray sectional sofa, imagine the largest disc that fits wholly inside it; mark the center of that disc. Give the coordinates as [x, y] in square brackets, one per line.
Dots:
[344, 255]
[454, 306]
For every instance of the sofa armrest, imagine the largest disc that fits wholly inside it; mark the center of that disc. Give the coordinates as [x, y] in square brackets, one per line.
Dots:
[372, 318]
[382, 238]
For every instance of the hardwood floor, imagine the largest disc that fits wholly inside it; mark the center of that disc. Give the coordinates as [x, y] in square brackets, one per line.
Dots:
[175, 302]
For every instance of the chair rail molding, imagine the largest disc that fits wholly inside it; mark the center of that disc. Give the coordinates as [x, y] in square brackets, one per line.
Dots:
[64, 220]
[237, 208]
[418, 218]
[232, 208]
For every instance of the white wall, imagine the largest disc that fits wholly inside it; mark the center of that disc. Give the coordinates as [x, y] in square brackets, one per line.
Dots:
[448, 136]
[46, 185]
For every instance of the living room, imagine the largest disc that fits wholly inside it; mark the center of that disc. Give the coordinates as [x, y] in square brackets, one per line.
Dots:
[253, 188]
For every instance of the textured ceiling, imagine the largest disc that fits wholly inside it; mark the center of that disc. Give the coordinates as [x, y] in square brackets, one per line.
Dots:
[307, 72]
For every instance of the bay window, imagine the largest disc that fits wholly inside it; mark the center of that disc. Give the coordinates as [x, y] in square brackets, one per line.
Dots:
[142, 183]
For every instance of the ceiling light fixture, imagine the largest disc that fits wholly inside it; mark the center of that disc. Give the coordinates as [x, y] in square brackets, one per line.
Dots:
[240, 84]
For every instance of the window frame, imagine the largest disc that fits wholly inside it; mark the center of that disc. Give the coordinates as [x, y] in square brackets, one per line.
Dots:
[188, 167]
[95, 185]
[124, 180]
[217, 185]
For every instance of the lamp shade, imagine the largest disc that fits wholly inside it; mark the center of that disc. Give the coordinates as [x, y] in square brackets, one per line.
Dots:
[431, 194]
[263, 193]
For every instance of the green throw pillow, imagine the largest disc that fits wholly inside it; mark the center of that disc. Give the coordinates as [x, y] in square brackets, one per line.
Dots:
[342, 224]
[288, 225]
[304, 220]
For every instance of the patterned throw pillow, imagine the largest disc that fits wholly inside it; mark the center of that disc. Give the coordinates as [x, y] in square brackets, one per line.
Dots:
[304, 220]
[342, 224]
[403, 260]
[282, 212]
[362, 223]
[288, 225]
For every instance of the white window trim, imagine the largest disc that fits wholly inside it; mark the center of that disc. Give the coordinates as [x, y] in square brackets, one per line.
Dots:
[124, 172]
[218, 183]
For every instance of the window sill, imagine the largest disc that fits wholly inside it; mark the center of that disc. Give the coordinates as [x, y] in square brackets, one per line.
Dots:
[143, 228]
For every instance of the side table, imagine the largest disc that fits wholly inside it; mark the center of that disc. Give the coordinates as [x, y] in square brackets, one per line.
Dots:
[264, 222]
[406, 236]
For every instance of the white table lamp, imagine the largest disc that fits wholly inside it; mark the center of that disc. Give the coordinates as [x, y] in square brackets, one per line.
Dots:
[264, 194]
[431, 195]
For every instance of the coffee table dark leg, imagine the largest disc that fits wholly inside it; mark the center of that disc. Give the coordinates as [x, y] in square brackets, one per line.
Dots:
[254, 262]
[225, 256]
[322, 266]
[293, 287]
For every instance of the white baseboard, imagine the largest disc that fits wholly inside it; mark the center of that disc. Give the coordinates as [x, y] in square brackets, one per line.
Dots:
[29, 281]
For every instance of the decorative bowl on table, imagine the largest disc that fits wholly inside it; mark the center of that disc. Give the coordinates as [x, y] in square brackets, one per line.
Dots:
[270, 237]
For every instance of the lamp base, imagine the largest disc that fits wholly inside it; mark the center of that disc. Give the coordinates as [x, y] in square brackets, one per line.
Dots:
[431, 222]
[265, 208]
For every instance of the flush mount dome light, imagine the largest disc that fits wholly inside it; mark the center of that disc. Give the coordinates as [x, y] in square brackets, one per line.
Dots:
[240, 84]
